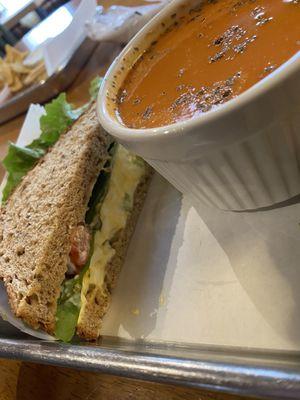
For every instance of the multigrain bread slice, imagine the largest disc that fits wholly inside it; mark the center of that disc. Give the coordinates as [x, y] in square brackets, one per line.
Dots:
[98, 300]
[38, 217]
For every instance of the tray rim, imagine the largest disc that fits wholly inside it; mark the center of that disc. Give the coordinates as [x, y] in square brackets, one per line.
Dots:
[241, 371]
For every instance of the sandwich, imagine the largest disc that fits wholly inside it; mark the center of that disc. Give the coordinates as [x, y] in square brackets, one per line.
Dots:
[67, 222]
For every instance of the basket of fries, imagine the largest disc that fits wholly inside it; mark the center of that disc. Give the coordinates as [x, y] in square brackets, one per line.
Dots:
[24, 78]
[15, 75]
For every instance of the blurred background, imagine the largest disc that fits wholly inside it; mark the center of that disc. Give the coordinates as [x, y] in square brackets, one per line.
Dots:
[17, 17]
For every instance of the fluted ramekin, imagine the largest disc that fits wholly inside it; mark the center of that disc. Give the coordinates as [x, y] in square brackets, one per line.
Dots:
[243, 155]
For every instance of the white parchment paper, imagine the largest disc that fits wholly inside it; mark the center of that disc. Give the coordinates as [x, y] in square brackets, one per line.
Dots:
[211, 277]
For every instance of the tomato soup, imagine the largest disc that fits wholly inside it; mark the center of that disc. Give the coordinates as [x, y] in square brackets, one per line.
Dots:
[206, 57]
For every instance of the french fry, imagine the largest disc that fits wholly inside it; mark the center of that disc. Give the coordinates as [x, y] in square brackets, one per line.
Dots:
[35, 72]
[14, 55]
[6, 72]
[19, 68]
[17, 85]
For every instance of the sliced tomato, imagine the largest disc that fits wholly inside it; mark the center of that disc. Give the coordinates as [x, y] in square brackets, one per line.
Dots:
[80, 247]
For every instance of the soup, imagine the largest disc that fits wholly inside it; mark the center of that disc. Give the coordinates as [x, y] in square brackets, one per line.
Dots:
[207, 57]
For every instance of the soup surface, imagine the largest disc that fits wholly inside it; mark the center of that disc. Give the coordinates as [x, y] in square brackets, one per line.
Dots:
[206, 57]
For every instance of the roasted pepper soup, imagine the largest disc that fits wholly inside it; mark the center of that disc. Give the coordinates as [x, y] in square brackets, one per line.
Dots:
[207, 57]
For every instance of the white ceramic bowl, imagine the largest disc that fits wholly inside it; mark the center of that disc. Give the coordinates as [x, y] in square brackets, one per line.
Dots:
[243, 155]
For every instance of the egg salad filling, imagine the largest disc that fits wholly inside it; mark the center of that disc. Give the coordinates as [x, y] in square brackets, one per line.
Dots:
[106, 217]
[126, 173]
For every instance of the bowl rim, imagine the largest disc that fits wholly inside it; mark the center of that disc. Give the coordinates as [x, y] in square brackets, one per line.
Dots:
[122, 132]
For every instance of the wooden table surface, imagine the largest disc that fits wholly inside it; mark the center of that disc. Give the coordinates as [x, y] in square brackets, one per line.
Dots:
[26, 381]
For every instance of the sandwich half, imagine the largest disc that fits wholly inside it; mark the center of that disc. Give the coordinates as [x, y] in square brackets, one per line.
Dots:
[66, 227]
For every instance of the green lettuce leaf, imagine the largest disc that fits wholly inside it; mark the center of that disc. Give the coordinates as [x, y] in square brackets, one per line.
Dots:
[94, 87]
[59, 116]
[68, 308]
[69, 303]
[17, 162]
[93, 91]
[100, 189]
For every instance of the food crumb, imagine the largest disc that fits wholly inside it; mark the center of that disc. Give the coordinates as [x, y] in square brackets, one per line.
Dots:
[135, 311]
[153, 313]
[162, 300]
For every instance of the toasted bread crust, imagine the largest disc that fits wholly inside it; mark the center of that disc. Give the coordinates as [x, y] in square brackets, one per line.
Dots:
[89, 326]
[39, 215]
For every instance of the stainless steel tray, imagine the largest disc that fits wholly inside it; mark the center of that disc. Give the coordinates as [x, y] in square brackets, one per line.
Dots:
[265, 374]
[39, 93]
